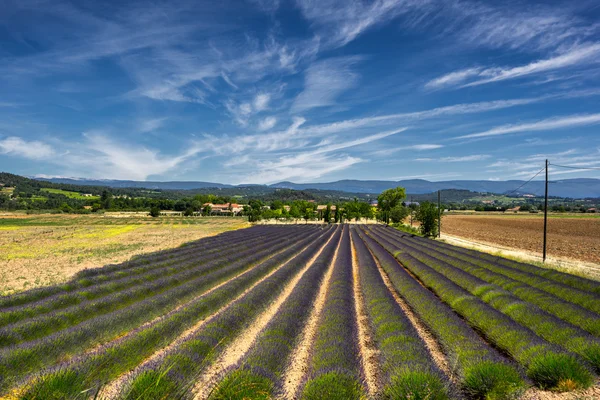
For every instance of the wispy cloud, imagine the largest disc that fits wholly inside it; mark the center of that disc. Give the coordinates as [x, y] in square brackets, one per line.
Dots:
[34, 150]
[267, 123]
[456, 109]
[536, 27]
[102, 156]
[415, 147]
[543, 125]
[261, 101]
[580, 55]
[152, 124]
[324, 81]
[453, 78]
[340, 22]
[474, 157]
[302, 163]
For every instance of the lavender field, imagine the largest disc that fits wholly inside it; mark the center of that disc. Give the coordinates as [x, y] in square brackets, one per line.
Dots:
[305, 312]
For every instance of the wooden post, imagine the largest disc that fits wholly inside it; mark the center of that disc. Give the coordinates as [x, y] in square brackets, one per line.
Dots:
[545, 213]
[439, 214]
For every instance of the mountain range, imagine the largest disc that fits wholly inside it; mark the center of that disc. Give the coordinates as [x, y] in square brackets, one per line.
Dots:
[574, 188]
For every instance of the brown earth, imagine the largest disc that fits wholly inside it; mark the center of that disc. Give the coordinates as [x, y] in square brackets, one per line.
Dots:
[575, 238]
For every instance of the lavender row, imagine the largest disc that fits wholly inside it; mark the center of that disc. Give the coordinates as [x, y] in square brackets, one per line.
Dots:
[546, 325]
[561, 277]
[42, 325]
[179, 368]
[88, 277]
[21, 360]
[407, 366]
[334, 366]
[569, 312]
[259, 373]
[116, 357]
[590, 301]
[481, 371]
[96, 286]
[538, 357]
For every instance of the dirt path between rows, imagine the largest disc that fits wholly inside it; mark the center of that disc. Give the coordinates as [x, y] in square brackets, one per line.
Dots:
[369, 354]
[298, 367]
[111, 391]
[435, 349]
[240, 346]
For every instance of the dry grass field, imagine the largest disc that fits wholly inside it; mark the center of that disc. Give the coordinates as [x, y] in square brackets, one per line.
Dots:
[39, 250]
[577, 238]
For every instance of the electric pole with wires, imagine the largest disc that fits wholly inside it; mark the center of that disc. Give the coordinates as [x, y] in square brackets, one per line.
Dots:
[545, 213]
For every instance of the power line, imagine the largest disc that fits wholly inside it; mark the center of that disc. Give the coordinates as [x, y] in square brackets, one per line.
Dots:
[539, 172]
[575, 167]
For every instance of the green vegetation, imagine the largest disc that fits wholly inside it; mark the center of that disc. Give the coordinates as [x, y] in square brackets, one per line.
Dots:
[73, 195]
[428, 215]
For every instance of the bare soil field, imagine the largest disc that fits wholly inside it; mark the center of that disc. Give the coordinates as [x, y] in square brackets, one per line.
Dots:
[575, 238]
[40, 250]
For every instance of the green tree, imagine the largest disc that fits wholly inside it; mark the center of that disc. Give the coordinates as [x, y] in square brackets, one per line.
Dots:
[106, 199]
[207, 210]
[276, 205]
[427, 215]
[327, 214]
[399, 213]
[366, 211]
[154, 211]
[388, 199]
[188, 212]
[295, 212]
[254, 210]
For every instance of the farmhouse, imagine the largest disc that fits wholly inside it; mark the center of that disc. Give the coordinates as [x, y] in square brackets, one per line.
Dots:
[592, 210]
[518, 208]
[321, 209]
[224, 209]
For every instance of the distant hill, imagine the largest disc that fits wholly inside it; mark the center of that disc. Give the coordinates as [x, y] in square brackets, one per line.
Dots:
[173, 185]
[574, 188]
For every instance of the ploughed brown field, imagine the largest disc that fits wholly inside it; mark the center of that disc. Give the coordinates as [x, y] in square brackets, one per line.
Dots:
[575, 238]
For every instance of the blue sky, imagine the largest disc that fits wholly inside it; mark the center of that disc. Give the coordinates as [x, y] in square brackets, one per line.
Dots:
[262, 91]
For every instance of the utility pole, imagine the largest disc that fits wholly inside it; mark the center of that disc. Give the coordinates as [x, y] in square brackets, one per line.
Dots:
[411, 209]
[439, 214]
[545, 213]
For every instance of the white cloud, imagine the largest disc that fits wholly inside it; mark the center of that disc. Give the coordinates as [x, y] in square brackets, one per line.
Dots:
[103, 157]
[305, 171]
[580, 55]
[453, 78]
[324, 82]
[34, 150]
[534, 27]
[415, 147]
[261, 101]
[474, 157]
[340, 21]
[457, 109]
[300, 164]
[543, 125]
[149, 125]
[267, 123]
[420, 147]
